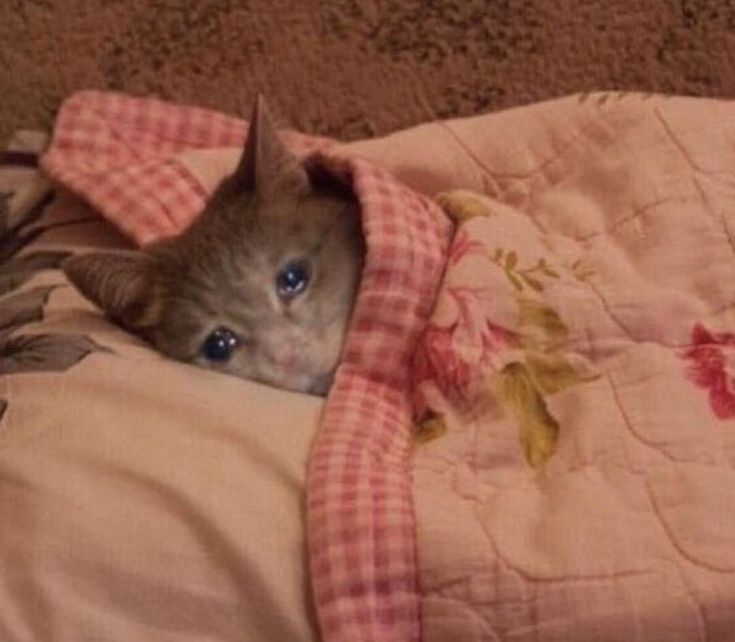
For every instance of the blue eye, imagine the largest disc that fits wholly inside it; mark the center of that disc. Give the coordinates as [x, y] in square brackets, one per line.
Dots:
[220, 344]
[292, 279]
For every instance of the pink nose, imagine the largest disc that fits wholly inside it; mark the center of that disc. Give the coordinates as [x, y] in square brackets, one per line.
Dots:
[288, 361]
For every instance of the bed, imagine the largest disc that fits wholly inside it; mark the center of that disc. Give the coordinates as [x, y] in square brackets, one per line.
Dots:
[533, 441]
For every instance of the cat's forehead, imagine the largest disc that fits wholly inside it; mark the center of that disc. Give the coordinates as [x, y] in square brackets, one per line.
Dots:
[242, 238]
[272, 227]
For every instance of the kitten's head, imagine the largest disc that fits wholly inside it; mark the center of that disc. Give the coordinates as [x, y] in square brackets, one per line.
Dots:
[261, 285]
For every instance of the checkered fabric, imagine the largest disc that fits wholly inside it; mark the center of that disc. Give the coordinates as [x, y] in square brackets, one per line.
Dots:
[360, 516]
[119, 153]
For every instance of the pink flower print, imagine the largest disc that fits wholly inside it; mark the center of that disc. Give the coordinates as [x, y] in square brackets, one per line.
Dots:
[438, 360]
[454, 351]
[463, 246]
[444, 356]
[496, 338]
[712, 366]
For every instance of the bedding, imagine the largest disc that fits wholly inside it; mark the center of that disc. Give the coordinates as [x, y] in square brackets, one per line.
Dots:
[530, 436]
[140, 499]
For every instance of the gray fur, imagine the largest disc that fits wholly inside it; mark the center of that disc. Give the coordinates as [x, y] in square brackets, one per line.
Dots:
[222, 272]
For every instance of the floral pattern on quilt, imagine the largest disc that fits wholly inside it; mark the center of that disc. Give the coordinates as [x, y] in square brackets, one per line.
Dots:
[626, 532]
[470, 354]
[712, 367]
[20, 351]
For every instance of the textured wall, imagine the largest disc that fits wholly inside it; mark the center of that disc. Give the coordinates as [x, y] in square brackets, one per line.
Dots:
[354, 68]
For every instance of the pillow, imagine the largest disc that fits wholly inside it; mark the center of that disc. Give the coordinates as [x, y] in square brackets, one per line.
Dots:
[140, 498]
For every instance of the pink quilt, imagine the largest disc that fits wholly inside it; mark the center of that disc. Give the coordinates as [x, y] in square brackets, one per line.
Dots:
[568, 358]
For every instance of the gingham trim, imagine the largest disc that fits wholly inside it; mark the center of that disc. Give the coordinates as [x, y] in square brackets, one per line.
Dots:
[119, 154]
[360, 516]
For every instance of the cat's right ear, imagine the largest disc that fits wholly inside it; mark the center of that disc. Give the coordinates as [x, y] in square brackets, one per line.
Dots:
[120, 283]
[266, 165]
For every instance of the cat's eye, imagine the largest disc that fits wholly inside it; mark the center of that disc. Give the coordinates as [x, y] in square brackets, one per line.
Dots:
[220, 344]
[292, 279]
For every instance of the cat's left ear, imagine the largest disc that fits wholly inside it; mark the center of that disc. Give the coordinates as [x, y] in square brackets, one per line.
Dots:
[266, 165]
[121, 283]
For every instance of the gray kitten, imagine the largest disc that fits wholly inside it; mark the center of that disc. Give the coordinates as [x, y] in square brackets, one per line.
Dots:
[260, 286]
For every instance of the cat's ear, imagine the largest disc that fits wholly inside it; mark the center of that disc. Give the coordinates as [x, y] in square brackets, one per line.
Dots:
[120, 283]
[266, 165]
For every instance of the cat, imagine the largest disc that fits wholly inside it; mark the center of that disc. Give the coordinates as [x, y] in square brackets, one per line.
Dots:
[260, 286]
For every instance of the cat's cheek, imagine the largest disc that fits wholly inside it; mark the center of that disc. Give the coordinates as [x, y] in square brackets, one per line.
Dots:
[332, 348]
[240, 365]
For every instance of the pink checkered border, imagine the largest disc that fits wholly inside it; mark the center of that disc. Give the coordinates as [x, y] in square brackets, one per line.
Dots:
[119, 153]
[360, 515]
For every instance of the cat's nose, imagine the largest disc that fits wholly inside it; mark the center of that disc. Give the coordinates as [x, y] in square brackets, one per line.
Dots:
[287, 362]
